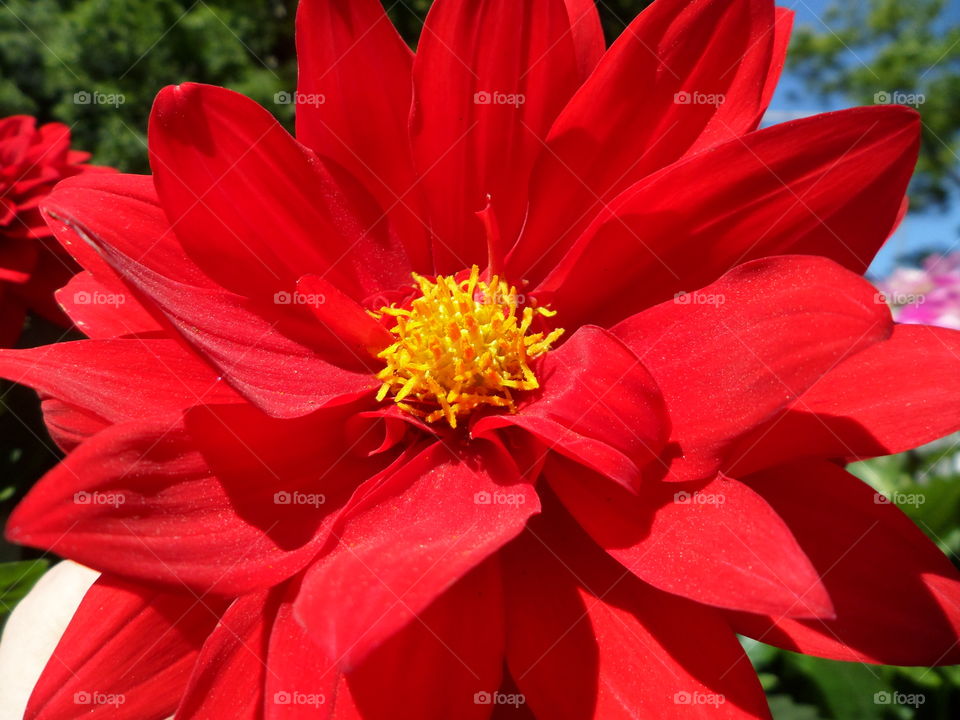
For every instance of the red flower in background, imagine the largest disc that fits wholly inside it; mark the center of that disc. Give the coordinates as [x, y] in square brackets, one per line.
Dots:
[327, 465]
[32, 264]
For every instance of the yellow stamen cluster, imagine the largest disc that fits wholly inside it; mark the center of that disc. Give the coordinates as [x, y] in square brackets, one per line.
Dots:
[461, 345]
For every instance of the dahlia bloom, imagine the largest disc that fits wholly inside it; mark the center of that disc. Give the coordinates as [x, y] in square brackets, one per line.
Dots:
[32, 265]
[929, 295]
[518, 384]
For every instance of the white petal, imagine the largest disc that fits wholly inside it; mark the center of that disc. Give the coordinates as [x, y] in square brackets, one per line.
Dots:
[33, 630]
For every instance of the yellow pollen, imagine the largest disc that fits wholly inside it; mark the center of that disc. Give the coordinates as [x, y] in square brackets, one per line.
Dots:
[461, 345]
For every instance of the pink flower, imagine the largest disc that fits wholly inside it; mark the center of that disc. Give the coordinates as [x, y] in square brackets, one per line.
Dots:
[929, 295]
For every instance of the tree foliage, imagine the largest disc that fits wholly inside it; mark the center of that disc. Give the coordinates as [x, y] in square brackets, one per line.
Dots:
[97, 64]
[878, 51]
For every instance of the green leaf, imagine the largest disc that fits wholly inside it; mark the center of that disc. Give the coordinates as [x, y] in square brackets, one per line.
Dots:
[16, 580]
[849, 690]
[760, 654]
[783, 707]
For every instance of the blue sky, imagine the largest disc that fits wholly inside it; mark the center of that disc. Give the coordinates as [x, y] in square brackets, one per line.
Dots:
[932, 230]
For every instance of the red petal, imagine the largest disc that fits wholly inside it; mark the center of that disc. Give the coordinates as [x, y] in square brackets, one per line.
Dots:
[251, 205]
[598, 405]
[897, 597]
[828, 185]
[588, 40]
[101, 310]
[343, 317]
[586, 642]
[118, 380]
[53, 270]
[552, 650]
[431, 522]
[282, 375]
[470, 139]
[230, 672]
[783, 28]
[361, 125]
[433, 668]
[661, 654]
[610, 135]
[317, 454]
[437, 665]
[717, 543]
[18, 257]
[376, 431]
[756, 339]
[127, 653]
[868, 405]
[141, 501]
[121, 211]
[303, 683]
[70, 425]
[17, 129]
[272, 353]
[12, 314]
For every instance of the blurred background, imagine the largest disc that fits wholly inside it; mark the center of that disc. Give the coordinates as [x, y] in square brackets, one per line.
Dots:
[96, 65]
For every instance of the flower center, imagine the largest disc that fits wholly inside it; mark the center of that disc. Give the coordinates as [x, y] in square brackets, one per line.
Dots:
[460, 345]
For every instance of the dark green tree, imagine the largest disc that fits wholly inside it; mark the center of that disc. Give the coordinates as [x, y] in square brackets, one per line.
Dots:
[97, 64]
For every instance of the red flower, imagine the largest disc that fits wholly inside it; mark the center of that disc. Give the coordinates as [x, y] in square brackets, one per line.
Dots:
[32, 161]
[314, 480]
